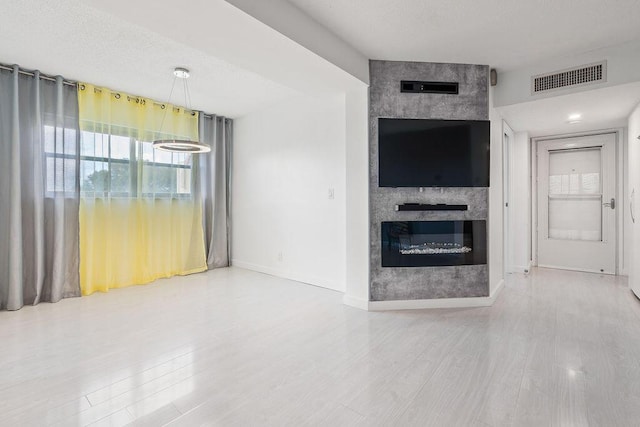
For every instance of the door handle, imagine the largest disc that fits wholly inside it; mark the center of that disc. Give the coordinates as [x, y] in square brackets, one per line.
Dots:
[632, 203]
[611, 204]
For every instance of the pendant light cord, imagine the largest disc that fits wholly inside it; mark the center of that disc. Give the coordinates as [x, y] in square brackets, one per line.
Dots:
[166, 107]
[187, 96]
[181, 145]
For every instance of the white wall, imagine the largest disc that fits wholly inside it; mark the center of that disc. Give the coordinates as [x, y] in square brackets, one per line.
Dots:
[633, 160]
[286, 159]
[495, 226]
[357, 203]
[623, 66]
[520, 203]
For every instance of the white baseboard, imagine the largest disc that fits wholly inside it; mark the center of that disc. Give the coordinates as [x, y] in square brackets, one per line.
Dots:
[430, 303]
[363, 304]
[497, 290]
[322, 282]
[556, 267]
[310, 280]
[522, 268]
[255, 267]
[360, 303]
[425, 303]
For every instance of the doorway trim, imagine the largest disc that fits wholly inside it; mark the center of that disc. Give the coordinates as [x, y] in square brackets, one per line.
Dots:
[508, 138]
[620, 190]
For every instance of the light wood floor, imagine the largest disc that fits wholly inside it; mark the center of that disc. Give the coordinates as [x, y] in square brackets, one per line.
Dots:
[233, 347]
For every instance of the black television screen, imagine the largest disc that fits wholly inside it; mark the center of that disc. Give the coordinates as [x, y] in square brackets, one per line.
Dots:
[433, 153]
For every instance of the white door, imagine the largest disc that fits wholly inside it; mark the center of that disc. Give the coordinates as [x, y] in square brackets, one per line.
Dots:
[576, 205]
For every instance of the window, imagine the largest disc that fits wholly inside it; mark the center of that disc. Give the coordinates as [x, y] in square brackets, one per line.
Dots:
[120, 166]
[117, 158]
[60, 152]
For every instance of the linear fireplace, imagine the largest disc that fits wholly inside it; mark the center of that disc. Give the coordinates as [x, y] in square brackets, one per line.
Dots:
[433, 243]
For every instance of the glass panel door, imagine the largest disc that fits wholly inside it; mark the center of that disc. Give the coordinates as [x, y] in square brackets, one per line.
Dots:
[576, 221]
[575, 194]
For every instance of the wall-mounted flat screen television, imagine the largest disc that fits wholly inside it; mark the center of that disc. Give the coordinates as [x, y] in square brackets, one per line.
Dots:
[433, 153]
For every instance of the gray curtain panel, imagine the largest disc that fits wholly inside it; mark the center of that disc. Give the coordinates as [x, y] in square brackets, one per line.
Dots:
[213, 184]
[39, 190]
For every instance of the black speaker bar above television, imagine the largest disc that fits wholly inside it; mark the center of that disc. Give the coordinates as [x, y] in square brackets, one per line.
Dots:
[411, 86]
[426, 207]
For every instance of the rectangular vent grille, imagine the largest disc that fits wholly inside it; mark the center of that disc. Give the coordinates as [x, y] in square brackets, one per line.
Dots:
[583, 75]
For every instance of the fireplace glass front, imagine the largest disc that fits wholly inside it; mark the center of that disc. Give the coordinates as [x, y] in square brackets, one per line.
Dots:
[433, 243]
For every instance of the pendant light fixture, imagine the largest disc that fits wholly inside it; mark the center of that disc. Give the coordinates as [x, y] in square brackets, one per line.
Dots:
[180, 145]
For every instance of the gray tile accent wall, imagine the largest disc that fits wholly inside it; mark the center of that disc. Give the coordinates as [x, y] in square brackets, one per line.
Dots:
[386, 101]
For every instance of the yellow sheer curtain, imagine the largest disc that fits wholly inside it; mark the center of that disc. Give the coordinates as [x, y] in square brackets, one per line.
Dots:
[139, 219]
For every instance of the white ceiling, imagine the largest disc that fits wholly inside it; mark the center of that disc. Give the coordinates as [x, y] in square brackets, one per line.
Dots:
[506, 35]
[238, 64]
[220, 30]
[600, 109]
[501, 33]
[69, 38]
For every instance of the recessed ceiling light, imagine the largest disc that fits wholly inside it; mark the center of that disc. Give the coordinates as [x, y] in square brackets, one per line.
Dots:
[575, 116]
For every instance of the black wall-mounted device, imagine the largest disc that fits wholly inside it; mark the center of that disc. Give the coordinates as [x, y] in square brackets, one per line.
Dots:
[411, 86]
[427, 207]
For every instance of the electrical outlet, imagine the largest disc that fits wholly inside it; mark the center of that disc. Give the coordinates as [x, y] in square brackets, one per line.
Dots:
[280, 257]
[331, 194]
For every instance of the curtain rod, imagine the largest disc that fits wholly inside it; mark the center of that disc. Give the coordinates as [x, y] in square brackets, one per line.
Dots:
[42, 76]
[70, 83]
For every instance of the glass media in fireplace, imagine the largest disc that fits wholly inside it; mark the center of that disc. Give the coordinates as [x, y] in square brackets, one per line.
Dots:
[433, 243]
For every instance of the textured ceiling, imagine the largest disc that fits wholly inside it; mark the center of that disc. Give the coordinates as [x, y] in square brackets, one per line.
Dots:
[70, 38]
[240, 65]
[501, 33]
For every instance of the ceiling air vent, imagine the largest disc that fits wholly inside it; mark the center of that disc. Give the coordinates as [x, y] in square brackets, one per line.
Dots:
[572, 77]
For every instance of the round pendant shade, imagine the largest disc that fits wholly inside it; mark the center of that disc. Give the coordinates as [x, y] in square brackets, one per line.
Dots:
[181, 146]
